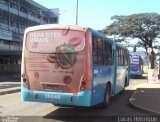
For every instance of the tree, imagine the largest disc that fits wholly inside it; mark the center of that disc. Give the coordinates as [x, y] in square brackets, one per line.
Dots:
[143, 26]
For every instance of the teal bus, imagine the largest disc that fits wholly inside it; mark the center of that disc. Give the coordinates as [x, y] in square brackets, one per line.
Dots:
[139, 63]
[71, 65]
[136, 66]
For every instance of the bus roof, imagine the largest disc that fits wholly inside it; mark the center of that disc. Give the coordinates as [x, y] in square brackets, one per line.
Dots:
[55, 26]
[140, 53]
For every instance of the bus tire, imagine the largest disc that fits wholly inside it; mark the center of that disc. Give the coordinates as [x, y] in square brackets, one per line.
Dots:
[106, 100]
[126, 82]
[125, 85]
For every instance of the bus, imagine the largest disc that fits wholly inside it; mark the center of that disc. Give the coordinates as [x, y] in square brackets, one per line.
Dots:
[69, 65]
[136, 66]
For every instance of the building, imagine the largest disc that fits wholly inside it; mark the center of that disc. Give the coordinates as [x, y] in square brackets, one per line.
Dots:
[15, 16]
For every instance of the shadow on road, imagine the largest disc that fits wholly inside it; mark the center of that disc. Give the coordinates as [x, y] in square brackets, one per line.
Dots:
[119, 106]
[139, 77]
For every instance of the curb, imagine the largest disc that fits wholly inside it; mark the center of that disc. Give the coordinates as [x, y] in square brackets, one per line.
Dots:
[131, 101]
[10, 91]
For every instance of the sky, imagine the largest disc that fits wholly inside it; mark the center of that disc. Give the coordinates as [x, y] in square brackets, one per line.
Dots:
[97, 14]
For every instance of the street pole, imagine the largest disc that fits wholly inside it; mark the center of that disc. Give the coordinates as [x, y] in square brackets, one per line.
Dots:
[77, 13]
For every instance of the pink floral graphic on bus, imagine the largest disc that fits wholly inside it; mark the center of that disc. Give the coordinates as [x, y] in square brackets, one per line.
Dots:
[66, 56]
[65, 31]
[56, 66]
[75, 41]
[55, 59]
[36, 75]
[67, 79]
[51, 58]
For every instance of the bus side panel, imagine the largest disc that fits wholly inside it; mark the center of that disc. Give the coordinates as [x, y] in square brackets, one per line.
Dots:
[122, 74]
[101, 75]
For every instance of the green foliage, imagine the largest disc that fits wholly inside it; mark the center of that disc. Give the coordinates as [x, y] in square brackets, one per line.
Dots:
[143, 26]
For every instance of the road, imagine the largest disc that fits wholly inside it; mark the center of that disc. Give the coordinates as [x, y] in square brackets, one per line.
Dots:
[11, 105]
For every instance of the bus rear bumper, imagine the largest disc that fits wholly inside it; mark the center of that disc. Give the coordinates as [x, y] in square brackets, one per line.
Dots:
[82, 98]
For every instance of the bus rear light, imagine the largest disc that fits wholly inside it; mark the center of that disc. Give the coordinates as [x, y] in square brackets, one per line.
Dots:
[83, 83]
[25, 82]
[82, 88]
[84, 78]
[24, 79]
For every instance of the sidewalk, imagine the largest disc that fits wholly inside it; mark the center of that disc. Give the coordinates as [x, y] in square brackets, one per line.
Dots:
[9, 87]
[147, 97]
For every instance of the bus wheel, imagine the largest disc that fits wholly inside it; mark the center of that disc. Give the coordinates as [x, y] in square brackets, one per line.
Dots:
[106, 100]
[125, 85]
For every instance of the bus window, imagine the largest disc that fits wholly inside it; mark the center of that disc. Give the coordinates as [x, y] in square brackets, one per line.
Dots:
[125, 58]
[107, 53]
[118, 56]
[100, 52]
[95, 52]
[122, 57]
